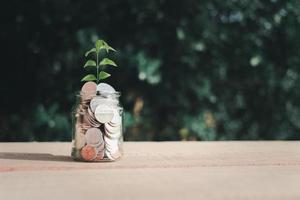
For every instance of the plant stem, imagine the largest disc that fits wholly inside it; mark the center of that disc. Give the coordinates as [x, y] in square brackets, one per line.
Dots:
[97, 75]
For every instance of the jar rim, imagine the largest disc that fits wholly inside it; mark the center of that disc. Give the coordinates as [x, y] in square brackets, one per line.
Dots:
[116, 93]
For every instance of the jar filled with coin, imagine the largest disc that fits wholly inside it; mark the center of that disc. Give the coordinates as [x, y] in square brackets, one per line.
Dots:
[97, 118]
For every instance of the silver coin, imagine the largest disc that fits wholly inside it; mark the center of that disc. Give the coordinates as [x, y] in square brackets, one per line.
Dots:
[102, 101]
[108, 155]
[112, 132]
[94, 103]
[94, 122]
[113, 136]
[105, 88]
[113, 156]
[117, 119]
[104, 113]
[111, 145]
[112, 129]
[113, 125]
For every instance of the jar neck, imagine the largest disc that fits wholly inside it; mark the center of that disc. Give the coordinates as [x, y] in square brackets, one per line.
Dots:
[111, 99]
[110, 95]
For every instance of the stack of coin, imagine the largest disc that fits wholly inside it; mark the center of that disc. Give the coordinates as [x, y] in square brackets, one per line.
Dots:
[98, 128]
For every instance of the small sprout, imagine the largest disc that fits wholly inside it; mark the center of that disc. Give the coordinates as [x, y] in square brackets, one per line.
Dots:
[99, 45]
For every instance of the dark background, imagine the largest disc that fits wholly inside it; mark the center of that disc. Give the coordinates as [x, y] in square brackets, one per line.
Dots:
[189, 70]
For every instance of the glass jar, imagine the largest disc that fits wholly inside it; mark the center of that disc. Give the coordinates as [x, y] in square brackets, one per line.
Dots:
[97, 127]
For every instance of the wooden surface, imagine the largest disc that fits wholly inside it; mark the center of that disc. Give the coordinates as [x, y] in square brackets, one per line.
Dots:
[152, 170]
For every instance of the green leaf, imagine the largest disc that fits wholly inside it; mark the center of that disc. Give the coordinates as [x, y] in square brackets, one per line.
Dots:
[89, 77]
[107, 61]
[99, 45]
[90, 63]
[103, 75]
[107, 47]
[90, 51]
[110, 48]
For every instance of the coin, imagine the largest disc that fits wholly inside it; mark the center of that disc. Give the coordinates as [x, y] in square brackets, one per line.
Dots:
[112, 145]
[117, 118]
[87, 118]
[98, 123]
[85, 127]
[94, 137]
[90, 112]
[108, 154]
[88, 90]
[104, 113]
[88, 152]
[100, 156]
[101, 101]
[101, 146]
[94, 103]
[113, 156]
[105, 88]
[113, 132]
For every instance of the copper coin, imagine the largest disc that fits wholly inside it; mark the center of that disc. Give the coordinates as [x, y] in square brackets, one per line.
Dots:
[90, 112]
[92, 119]
[85, 119]
[99, 156]
[88, 153]
[88, 90]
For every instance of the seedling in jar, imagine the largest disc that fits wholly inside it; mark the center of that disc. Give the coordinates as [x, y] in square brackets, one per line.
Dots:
[99, 62]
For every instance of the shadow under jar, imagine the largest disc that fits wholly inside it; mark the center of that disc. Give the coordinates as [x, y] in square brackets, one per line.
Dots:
[97, 127]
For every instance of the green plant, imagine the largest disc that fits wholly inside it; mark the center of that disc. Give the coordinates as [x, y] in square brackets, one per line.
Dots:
[96, 63]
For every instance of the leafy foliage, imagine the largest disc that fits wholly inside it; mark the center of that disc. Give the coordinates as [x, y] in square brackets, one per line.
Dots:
[99, 45]
[209, 70]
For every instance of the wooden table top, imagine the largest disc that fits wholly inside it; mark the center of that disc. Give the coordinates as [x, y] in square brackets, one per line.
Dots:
[154, 170]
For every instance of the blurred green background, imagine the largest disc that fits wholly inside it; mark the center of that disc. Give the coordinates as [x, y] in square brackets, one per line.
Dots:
[189, 70]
